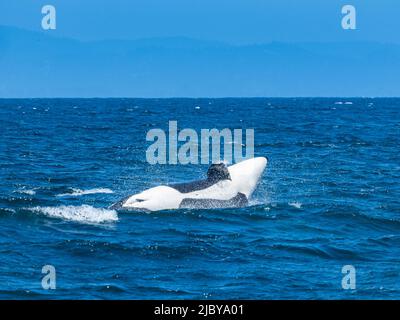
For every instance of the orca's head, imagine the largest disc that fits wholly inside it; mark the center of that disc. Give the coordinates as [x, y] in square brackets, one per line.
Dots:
[217, 172]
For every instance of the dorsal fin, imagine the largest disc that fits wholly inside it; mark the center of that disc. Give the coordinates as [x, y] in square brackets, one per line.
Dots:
[218, 171]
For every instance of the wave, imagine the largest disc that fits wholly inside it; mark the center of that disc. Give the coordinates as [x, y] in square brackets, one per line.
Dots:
[345, 102]
[26, 191]
[295, 204]
[7, 210]
[79, 192]
[83, 213]
[322, 251]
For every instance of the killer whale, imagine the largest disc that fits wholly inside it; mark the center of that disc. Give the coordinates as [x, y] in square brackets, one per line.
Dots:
[224, 187]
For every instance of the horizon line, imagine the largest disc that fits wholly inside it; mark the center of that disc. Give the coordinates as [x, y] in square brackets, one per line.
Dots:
[222, 42]
[208, 97]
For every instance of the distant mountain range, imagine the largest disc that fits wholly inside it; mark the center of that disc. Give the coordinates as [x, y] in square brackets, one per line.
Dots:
[36, 64]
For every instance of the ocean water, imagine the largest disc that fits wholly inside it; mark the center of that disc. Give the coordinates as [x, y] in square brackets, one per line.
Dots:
[329, 197]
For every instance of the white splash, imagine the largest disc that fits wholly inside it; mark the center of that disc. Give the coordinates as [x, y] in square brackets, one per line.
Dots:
[9, 210]
[296, 204]
[26, 191]
[83, 213]
[79, 192]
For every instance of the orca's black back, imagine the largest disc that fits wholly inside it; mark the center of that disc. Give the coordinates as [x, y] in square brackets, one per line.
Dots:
[192, 186]
[215, 173]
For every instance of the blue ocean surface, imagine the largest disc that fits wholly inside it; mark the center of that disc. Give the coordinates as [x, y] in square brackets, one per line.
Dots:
[330, 197]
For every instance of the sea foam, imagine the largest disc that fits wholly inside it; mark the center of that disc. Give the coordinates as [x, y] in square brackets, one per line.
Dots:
[26, 191]
[83, 213]
[295, 204]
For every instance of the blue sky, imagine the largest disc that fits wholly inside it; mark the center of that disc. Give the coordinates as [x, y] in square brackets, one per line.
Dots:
[268, 48]
[233, 21]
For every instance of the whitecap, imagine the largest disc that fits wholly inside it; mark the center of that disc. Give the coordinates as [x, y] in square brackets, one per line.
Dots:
[9, 210]
[296, 204]
[83, 213]
[26, 191]
[79, 192]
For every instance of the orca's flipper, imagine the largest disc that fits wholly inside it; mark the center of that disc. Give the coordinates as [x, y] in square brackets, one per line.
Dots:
[238, 201]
